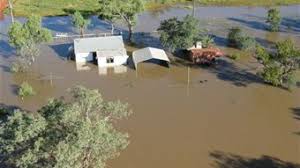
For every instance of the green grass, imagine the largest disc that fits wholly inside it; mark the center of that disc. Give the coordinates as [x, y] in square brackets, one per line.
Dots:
[53, 7]
[61, 7]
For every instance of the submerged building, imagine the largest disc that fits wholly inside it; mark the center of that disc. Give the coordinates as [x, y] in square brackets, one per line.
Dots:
[106, 51]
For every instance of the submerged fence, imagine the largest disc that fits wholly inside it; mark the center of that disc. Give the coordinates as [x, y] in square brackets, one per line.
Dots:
[66, 36]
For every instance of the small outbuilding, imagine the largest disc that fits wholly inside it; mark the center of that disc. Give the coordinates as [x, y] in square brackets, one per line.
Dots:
[148, 54]
[107, 51]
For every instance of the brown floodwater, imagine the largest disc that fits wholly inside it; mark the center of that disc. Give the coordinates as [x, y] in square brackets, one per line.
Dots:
[224, 118]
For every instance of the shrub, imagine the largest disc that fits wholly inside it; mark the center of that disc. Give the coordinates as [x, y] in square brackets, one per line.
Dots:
[238, 39]
[234, 35]
[18, 66]
[25, 90]
[235, 56]
[272, 74]
[247, 43]
[274, 19]
[280, 66]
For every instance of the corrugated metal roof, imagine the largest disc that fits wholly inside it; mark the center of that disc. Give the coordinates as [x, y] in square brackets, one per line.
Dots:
[147, 54]
[94, 44]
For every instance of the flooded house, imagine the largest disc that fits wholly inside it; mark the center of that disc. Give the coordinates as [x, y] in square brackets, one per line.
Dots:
[106, 52]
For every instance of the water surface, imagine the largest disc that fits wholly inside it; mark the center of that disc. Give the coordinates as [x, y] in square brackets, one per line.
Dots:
[225, 118]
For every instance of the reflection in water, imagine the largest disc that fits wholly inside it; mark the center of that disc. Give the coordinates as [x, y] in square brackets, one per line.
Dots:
[112, 70]
[82, 66]
[225, 160]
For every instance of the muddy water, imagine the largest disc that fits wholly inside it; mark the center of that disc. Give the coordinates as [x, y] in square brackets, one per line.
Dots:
[225, 108]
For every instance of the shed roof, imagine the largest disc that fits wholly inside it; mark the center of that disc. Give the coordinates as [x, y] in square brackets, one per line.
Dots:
[94, 44]
[147, 54]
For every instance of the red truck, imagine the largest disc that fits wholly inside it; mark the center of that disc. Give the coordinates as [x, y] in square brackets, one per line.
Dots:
[3, 5]
[204, 55]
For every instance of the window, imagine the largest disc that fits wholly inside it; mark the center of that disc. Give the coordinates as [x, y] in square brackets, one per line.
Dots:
[110, 60]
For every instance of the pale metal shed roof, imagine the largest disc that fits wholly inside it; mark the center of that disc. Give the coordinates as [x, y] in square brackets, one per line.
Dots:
[94, 44]
[147, 54]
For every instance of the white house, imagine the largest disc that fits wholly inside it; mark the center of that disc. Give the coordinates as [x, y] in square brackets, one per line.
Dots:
[108, 51]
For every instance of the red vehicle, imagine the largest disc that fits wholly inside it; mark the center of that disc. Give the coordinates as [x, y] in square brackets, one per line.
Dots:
[3, 5]
[204, 55]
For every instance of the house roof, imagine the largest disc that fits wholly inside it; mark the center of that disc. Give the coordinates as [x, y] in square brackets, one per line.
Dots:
[94, 44]
[147, 54]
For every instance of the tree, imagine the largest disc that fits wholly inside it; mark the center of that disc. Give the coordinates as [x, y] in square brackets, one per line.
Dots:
[280, 67]
[26, 38]
[126, 10]
[274, 19]
[80, 22]
[176, 34]
[107, 13]
[30, 32]
[79, 133]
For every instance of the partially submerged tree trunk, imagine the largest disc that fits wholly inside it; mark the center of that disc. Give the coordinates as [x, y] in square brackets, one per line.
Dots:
[81, 32]
[130, 32]
[130, 26]
[11, 11]
[112, 28]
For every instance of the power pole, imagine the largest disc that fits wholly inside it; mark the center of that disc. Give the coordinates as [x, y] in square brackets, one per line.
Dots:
[11, 11]
[188, 82]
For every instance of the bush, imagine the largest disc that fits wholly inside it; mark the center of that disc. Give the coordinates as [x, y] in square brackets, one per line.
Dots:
[238, 39]
[272, 75]
[235, 56]
[280, 65]
[234, 35]
[18, 66]
[15, 67]
[274, 19]
[247, 43]
[25, 90]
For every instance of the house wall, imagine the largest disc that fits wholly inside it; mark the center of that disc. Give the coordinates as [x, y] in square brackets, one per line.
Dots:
[83, 57]
[118, 60]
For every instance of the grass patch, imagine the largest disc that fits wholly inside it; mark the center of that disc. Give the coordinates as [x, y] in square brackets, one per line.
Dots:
[61, 7]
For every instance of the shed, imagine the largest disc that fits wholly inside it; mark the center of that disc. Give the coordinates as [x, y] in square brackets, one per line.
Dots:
[147, 54]
[107, 51]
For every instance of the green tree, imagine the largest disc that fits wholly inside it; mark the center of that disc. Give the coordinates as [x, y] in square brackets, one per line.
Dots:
[30, 32]
[25, 90]
[79, 133]
[176, 34]
[238, 39]
[26, 38]
[126, 10]
[280, 66]
[80, 22]
[274, 19]
[17, 35]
